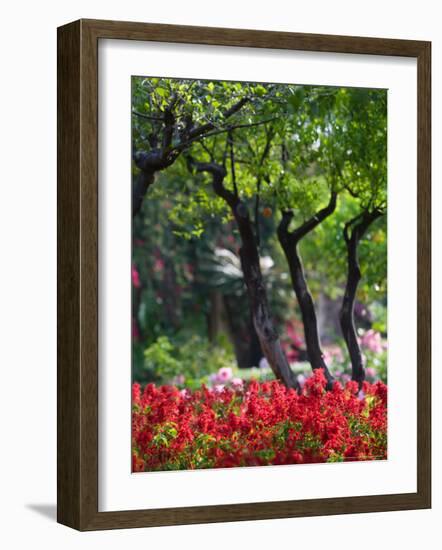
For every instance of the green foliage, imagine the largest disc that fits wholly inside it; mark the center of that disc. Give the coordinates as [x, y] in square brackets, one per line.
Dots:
[379, 312]
[365, 171]
[160, 358]
[292, 146]
[327, 271]
[187, 361]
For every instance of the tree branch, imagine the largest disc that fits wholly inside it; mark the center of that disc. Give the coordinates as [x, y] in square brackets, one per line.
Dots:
[360, 224]
[367, 219]
[218, 173]
[349, 224]
[257, 201]
[204, 128]
[300, 232]
[169, 127]
[232, 162]
[287, 217]
[266, 150]
[148, 117]
[184, 144]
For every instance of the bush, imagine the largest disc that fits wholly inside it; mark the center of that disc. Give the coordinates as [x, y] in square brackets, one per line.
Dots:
[189, 364]
[257, 424]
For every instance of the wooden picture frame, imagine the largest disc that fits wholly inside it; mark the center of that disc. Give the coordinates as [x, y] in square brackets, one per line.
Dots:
[77, 461]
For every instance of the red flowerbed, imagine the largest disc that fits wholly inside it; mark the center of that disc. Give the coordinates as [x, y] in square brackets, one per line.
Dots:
[258, 424]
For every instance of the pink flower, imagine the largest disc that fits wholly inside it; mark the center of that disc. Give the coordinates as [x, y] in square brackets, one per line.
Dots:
[372, 341]
[333, 353]
[135, 277]
[237, 383]
[224, 374]
[371, 372]
[301, 379]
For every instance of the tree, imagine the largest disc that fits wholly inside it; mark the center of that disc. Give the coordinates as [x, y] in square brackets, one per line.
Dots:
[169, 115]
[301, 116]
[366, 174]
[315, 154]
[250, 264]
[289, 241]
[266, 162]
[179, 114]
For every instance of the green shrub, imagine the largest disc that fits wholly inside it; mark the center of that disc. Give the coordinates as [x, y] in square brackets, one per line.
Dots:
[187, 363]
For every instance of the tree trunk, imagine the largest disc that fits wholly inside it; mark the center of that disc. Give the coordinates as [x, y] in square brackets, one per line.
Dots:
[163, 153]
[307, 307]
[249, 255]
[289, 241]
[346, 316]
[241, 330]
[262, 320]
[359, 226]
[142, 183]
[255, 353]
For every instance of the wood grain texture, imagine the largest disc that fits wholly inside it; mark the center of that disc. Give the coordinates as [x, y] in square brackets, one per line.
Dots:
[252, 38]
[68, 276]
[424, 273]
[77, 223]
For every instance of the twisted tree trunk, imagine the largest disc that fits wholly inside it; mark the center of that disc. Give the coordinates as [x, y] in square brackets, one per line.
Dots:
[249, 255]
[289, 241]
[139, 189]
[162, 155]
[358, 227]
[149, 164]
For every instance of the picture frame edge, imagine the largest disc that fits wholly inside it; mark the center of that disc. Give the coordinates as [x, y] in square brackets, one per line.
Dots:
[77, 273]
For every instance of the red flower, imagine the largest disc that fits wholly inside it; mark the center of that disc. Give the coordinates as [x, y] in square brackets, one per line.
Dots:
[259, 424]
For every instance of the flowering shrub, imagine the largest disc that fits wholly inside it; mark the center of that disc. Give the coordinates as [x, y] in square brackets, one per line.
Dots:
[293, 343]
[372, 341]
[257, 424]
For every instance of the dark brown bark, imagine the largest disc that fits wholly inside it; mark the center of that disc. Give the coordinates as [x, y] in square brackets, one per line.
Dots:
[149, 164]
[142, 183]
[353, 232]
[254, 354]
[226, 315]
[289, 241]
[249, 255]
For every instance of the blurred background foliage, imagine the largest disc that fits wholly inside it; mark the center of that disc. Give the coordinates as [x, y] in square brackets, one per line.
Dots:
[292, 146]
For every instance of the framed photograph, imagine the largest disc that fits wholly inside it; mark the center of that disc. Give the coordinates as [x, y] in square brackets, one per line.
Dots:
[243, 275]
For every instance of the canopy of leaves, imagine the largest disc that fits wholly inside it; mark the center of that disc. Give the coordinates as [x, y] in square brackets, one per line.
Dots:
[284, 147]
